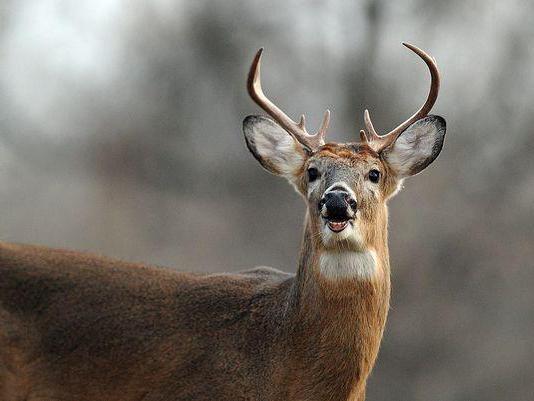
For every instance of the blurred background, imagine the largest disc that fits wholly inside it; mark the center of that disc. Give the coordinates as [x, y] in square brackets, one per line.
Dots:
[120, 127]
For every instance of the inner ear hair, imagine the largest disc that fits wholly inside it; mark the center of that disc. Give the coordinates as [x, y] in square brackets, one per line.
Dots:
[417, 147]
[276, 149]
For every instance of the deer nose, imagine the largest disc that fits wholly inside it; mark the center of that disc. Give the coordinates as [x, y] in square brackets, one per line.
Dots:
[337, 204]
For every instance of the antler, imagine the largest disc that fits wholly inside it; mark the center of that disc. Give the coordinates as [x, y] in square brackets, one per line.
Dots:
[298, 130]
[380, 142]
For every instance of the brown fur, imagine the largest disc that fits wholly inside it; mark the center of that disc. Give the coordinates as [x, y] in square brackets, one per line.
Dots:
[80, 327]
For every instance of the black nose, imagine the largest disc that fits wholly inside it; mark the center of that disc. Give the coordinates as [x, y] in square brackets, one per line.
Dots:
[338, 205]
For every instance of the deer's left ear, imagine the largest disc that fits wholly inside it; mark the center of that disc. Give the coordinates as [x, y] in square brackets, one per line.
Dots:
[417, 146]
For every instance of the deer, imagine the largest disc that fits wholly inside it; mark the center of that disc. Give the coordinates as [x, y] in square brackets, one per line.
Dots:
[75, 326]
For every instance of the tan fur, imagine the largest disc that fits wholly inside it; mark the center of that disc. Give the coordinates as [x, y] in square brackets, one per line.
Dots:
[339, 303]
[80, 327]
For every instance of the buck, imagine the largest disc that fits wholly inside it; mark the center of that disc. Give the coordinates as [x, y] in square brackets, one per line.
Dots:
[80, 327]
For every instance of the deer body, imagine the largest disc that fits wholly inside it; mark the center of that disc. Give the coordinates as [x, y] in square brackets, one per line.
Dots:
[80, 327]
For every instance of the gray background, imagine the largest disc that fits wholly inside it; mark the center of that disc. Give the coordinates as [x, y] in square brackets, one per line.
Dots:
[121, 134]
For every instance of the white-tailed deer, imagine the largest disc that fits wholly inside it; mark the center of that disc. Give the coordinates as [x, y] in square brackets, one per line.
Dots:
[75, 327]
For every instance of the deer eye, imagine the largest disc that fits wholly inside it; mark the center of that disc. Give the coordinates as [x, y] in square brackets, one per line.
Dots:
[374, 175]
[313, 173]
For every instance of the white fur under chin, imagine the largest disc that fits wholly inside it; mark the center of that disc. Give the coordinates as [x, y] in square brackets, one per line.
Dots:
[338, 264]
[350, 236]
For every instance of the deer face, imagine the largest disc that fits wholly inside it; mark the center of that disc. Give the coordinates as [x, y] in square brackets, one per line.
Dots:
[345, 186]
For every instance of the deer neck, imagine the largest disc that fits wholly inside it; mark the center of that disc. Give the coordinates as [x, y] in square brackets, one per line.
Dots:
[341, 300]
[329, 273]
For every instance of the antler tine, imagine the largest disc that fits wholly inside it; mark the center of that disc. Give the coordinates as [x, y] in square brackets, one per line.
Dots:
[369, 126]
[302, 122]
[297, 130]
[363, 137]
[381, 142]
[324, 125]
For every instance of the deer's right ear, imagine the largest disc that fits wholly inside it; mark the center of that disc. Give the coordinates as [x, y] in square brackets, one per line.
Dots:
[276, 150]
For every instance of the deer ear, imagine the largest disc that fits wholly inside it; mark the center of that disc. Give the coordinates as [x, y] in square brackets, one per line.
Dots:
[276, 150]
[417, 147]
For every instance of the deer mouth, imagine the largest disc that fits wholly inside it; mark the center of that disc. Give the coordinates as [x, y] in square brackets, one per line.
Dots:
[337, 225]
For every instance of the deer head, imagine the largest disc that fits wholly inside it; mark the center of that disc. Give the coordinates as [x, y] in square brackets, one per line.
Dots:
[345, 185]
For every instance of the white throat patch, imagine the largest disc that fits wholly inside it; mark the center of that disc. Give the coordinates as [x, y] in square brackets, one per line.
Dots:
[338, 265]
